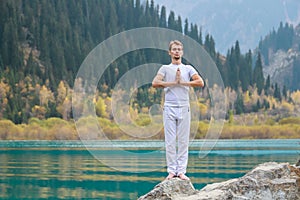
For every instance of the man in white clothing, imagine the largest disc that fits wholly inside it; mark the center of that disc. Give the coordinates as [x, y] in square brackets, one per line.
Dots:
[176, 78]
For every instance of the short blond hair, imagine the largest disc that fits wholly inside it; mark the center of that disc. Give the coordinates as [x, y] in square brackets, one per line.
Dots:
[176, 42]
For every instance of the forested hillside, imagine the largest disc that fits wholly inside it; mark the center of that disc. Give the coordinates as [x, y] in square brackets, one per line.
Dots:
[281, 55]
[44, 42]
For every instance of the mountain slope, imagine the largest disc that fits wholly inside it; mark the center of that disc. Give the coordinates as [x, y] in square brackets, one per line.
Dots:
[281, 55]
[242, 20]
[43, 44]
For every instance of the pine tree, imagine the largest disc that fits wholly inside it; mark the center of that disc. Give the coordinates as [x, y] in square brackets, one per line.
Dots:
[186, 27]
[171, 21]
[267, 85]
[258, 77]
[1, 67]
[233, 75]
[209, 45]
[277, 93]
[284, 92]
[163, 17]
[222, 69]
[194, 32]
[200, 37]
[239, 104]
[247, 71]
[179, 24]
[296, 75]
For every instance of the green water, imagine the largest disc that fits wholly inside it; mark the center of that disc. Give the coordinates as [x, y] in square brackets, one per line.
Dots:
[66, 170]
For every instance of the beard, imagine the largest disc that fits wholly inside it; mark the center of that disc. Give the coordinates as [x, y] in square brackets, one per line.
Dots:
[176, 57]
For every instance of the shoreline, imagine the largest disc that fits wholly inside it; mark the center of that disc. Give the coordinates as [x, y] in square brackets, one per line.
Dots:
[61, 130]
[195, 145]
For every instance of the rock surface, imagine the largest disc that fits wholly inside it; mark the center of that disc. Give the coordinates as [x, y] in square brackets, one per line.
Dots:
[268, 181]
[281, 67]
[169, 189]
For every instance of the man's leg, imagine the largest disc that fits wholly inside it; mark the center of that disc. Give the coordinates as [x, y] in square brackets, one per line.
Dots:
[170, 139]
[183, 131]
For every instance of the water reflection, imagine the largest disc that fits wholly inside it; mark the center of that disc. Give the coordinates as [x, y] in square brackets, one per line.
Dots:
[75, 174]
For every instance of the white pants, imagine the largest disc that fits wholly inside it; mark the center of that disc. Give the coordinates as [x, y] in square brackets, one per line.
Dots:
[177, 129]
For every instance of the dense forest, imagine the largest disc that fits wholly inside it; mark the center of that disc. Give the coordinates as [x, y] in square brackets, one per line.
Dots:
[43, 44]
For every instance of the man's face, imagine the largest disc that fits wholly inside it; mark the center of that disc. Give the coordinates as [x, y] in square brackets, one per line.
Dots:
[176, 52]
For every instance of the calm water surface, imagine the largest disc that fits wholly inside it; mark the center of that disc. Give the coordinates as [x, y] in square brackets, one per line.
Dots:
[66, 170]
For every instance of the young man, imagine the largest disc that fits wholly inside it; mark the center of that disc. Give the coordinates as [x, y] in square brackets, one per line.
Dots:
[176, 78]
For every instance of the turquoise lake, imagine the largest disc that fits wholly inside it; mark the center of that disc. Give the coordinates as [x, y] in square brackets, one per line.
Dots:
[73, 170]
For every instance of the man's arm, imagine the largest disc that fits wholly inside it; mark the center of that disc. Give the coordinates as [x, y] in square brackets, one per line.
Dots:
[158, 82]
[196, 81]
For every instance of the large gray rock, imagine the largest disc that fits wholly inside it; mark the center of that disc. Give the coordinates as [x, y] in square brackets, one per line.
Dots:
[268, 181]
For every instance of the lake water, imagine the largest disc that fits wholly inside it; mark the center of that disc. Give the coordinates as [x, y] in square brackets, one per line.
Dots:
[67, 170]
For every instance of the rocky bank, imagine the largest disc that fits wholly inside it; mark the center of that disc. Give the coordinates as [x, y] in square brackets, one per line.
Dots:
[268, 181]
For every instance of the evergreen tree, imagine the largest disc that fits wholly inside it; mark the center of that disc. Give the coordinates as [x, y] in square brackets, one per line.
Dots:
[284, 92]
[222, 69]
[258, 106]
[207, 43]
[266, 104]
[179, 24]
[163, 17]
[200, 37]
[171, 21]
[239, 104]
[186, 27]
[194, 32]
[258, 77]
[237, 51]
[233, 69]
[296, 75]
[1, 67]
[246, 74]
[277, 93]
[267, 85]
[147, 15]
